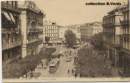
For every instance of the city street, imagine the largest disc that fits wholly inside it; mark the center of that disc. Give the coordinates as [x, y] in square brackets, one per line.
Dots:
[65, 39]
[67, 65]
[64, 69]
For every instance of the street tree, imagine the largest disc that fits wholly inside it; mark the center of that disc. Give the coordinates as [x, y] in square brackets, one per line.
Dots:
[47, 39]
[97, 40]
[70, 38]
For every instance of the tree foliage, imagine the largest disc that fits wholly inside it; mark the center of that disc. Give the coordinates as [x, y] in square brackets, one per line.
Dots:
[97, 40]
[47, 39]
[70, 38]
[23, 66]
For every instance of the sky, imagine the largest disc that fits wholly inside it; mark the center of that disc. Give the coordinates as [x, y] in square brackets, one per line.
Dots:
[67, 12]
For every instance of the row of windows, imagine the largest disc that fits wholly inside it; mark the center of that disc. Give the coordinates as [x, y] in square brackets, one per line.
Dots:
[53, 38]
[51, 27]
[126, 46]
[109, 20]
[116, 19]
[113, 20]
[51, 31]
[52, 35]
[12, 4]
[126, 15]
[126, 31]
[31, 5]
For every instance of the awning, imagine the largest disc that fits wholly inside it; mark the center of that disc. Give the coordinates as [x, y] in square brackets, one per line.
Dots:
[7, 16]
[12, 17]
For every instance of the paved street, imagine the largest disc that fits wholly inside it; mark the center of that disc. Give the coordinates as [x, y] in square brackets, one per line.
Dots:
[63, 67]
[66, 67]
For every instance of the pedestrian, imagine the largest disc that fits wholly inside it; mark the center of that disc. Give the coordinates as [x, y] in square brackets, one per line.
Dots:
[42, 65]
[31, 74]
[75, 75]
[72, 71]
[68, 71]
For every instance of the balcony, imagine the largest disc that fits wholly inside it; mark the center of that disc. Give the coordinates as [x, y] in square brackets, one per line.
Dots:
[35, 41]
[117, 45]
[10, 7]
[125, 50]
[7, 31]
[126, 37]
[35, 30]
[6, 45]
[125, 22]
[108, 24]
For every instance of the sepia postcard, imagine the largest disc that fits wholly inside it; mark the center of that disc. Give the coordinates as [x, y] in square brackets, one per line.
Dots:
[65, 40]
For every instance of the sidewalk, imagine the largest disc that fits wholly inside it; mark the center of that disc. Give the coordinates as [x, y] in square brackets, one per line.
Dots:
[115, 72]
[41, 70]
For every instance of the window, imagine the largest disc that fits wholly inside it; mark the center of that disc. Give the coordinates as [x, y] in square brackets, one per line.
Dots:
[15, 4]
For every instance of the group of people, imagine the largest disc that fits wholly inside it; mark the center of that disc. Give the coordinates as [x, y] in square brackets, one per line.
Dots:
[73, 72]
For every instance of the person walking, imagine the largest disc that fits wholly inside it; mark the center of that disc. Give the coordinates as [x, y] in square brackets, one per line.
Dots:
[72, 71]
[75, 75]
[68, 71]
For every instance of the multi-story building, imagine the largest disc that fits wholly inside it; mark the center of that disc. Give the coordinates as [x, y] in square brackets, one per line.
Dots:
[90, 29]
[75, 29]
[116, 38]
[86, 32]
[11, 36]
[52, 31]
[31, 27]
[22, 32]
[124, 57]
[62, 31]
[97, 32]
[97, 27]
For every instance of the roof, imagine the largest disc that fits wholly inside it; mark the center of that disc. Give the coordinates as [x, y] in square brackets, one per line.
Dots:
[119, 8]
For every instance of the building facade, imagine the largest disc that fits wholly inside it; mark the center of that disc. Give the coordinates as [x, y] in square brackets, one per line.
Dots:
[97, 34]
[52, 31]
[22, 29]
[11, 35]
[31, 27]
[124, 57]
[117, 38]
[62, 30]
[86, 32]
[97, 27]
[75, 29]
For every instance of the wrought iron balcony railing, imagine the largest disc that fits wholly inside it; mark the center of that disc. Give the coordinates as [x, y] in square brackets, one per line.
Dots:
[8, 45]
[6, 31]
[10, 7]
[125, 22]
